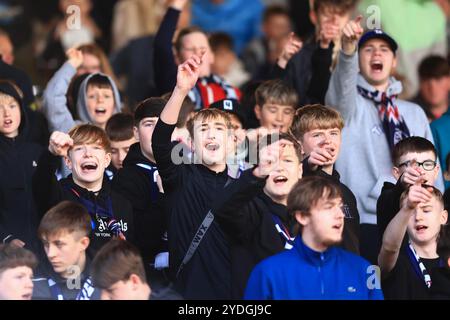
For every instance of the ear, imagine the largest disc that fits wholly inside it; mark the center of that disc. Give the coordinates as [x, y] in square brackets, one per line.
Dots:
[300, 171]
[135, 280]
[107, 159]
[447, 174]
[394, 63]
[136, 133]
[85, 242]
[68, 162]
[257, 111]
[301, 218]
[444, 217]
[448, 262]
[396, 173]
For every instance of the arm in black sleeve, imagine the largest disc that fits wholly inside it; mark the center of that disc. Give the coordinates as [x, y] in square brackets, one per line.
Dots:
[164, 61]
[233, 210]
[162, 150]
[321, 63]
[46, 188]
[388, 205]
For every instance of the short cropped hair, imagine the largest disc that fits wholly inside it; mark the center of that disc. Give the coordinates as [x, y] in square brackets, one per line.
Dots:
[276, 92]
[12, 256]
[116, 261]
[207, 115]
[66, 216]
[307, 193]
[120, 127]
[275, 10]
[313, 117]
[412, 144]
[434, 67]
[149, 108]
[90, 134]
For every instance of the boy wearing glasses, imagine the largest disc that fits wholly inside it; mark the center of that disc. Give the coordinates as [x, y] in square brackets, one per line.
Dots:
[415, 160]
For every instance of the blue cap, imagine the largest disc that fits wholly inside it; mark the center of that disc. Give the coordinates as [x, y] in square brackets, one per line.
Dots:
[378, 34]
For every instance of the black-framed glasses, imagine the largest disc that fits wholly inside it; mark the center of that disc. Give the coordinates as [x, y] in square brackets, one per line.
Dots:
[427, 165]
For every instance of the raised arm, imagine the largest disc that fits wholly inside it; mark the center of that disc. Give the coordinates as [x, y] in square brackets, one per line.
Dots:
[55, 101]
[342, 91]
[161, 140]
[396, 229]
[164, 61]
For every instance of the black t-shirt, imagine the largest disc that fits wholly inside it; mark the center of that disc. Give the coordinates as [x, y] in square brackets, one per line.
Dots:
[404, 283]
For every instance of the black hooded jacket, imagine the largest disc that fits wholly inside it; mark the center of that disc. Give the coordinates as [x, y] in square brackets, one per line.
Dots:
[136, 181]
[18, 162]
[104, 207]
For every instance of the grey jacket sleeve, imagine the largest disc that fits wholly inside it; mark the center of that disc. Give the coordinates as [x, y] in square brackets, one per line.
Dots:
[342, 92]
[55, 102]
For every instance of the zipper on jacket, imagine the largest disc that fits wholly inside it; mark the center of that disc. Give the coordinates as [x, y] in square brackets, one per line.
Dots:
[322, 285]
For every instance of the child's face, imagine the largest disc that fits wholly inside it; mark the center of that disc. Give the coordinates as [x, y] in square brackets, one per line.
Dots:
[332, 15]
[425, 223]
[65, 251]
[91, 64]
[100, 104]
[10, 116]
[376, 61]
[211, 141]
[16, 284]
[275, 116]
[325, 222]
[196, 43]
[329, 139]
[119, 150]
[144, 134]
[435, 90]
[88, 163]
[277, 27]
[413, 159]
[281, 181]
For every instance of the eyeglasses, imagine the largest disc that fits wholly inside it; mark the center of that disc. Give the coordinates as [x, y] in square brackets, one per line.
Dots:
[427, 165]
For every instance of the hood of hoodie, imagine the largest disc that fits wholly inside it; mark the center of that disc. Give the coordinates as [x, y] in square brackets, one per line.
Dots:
[395, 87]
[135, 156]
[82, 98]
[23, 127]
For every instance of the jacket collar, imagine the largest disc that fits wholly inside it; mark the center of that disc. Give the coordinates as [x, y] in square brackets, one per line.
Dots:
[313, 257]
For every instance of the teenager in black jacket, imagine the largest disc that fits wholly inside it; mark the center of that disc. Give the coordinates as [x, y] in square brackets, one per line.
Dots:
[191, 190]
[86, 152]
[18, 162]
[138, 182]
[319, 129]
[252, 211]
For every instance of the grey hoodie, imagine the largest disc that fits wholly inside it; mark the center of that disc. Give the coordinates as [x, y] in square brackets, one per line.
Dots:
[365, 159]
[55, 101]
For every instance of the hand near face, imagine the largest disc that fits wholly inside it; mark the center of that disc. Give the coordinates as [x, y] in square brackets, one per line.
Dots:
[269, 158]
[292, 46]
[60, 143]
[417, 194]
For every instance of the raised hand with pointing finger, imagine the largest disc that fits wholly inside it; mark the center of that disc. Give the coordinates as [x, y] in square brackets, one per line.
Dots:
[351, 34]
